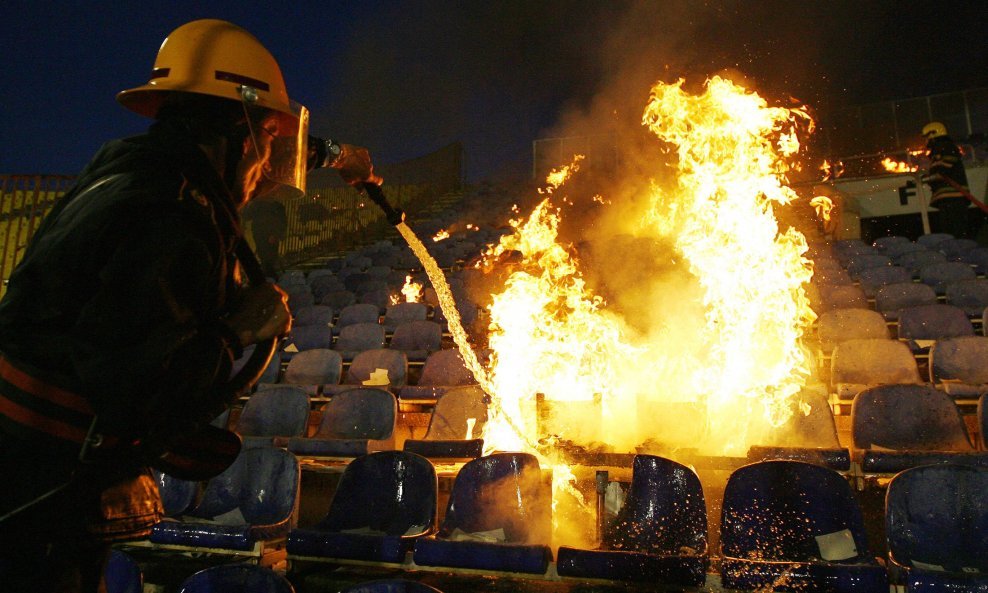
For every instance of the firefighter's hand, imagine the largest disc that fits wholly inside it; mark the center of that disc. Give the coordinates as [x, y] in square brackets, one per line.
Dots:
[262, 313]
[355, 166]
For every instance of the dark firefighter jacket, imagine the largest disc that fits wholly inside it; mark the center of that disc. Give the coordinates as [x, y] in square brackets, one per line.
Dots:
[117, 301]
[945, 163]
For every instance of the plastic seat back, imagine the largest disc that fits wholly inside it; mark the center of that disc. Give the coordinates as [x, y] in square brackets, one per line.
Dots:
[664, 511]
[933, 322]
[359, 413]
[914, 261]
[260, 488]
[892, 298]
[939, 275]
[969, 295]
[320, 366]
[314, 315]
[446, 367]
[122, 574]
[931, 240]
[791, 511]
[389, 492]
[177, 496]
[383, 368]
[236, 578]
[417, 339]
[873, 279]
[936, 516]
[503, 493]
[873, 361]
[306, 337]
[839, 325]
[358, 313]
[907, 418]
[460, 414]
[862, 262]
[841, 296]
[961, 359]
[391, 586]
[402, 312]
[280, 410]
[357, 337]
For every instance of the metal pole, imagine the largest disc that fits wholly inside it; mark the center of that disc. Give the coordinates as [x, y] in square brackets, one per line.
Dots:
[600, 480]
[924, 203]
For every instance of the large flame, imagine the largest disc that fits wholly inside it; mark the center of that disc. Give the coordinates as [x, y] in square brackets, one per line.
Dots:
[565, 366]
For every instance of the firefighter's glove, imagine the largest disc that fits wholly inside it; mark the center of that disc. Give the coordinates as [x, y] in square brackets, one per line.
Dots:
[261, 313]
[355, 166]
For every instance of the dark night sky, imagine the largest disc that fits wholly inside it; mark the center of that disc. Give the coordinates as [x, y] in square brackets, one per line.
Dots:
[405, 77]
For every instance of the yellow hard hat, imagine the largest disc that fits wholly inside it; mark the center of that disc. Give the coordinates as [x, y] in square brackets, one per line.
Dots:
[211, 57]
[217, 58]
[934, 129]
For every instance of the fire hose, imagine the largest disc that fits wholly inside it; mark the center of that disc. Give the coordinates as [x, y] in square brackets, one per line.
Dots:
[966, 193]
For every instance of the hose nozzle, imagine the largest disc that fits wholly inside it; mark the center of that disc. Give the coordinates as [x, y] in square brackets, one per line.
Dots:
[394, 216]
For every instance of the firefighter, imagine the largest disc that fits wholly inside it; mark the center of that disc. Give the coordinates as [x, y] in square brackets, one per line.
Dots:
[947, 180]
[120, 326]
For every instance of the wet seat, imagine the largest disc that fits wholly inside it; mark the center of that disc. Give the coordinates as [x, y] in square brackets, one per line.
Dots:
[252, 503]
[895, 427]
[958, 366]
[659, 536]
[236, 578]
[383, 503]
[352, 421]
[274, 411]
[795, 525]
[809, 435]
[122, 574]
[380, 367]
[443, 370]
[936, 518]
[497, 519]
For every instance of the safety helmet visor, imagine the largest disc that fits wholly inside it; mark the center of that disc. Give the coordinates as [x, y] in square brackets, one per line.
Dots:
[287, 133]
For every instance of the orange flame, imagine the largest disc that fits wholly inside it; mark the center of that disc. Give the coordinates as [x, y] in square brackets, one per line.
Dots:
[442, 234]
[823, 206]
[893, 166]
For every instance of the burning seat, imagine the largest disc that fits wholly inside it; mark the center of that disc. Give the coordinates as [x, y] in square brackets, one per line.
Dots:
[497, 519]
[383, 503]
[797, 526]
[659, 535]
[455, 426]
[249, 506]
[809, 435]
[350, 421]
[936, 519]
[895, 427]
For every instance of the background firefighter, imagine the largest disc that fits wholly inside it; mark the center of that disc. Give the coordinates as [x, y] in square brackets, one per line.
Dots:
[120, 326]
[946, 166]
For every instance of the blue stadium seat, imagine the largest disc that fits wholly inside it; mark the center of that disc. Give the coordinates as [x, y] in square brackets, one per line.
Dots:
[936, 519]
[809, 435]
[922, 325]
[314, 369]
[276, 411]
[236, 578]
[969, 295]
[873, 279]
[383, 503]
[955, 249]
[497, 519]
[659, 535]
[840, 325]
[978, 259]
[402, 312]
[442, 370]
[358, 337]
[939, 275]
[306, 337]
[417, 339]
[914, 261]
[840, 296]
[338, 299]
[858, 364]
[177, 496]
[383, 367]
[350, 421]
[958, 366]
[252, 503]
[896, 427]
[455, 427]
[859, 263]
[357, 313]
[314, 315]
[122, 574]
[797, 526]
[890, 243]
[931, 240]
[892, 298]
[391, 586]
